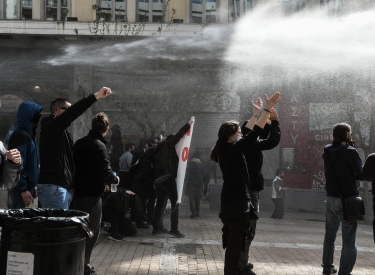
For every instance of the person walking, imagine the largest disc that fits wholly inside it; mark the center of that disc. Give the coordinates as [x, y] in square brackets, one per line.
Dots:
[194, 183]
[165, 169]
[369, 175]
[56, 150]
[236, 210]
[278, 194]
[92, 178]
[125, 165]
[23, 139]
[269, 139]
[342, 168]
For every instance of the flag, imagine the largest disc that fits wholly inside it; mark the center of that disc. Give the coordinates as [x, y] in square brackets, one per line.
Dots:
[182, 149]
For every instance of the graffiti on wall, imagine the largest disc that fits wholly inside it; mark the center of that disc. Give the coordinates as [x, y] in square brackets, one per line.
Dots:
[319, 181]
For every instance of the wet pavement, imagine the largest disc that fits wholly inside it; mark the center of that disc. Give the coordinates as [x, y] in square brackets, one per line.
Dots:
[289, 246]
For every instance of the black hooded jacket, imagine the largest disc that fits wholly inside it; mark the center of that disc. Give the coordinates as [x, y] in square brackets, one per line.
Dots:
[269, 139]
[343, 167]
[93, 170]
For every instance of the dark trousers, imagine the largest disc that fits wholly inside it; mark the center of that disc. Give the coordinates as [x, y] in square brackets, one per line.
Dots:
[195, 205]
[92, 206]
[278, 213]
[125, 180]
[236, 239]
[205, 187]
[150, 207]
[166, 190]
[119, 223]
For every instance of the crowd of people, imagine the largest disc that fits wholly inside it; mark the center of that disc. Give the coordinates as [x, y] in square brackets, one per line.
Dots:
[85, 175]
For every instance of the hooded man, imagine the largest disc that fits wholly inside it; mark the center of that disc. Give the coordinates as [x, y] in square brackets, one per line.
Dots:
[23, 139]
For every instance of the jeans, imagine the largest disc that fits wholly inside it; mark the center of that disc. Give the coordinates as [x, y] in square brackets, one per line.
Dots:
[166, 189]
[334, 216]
[53, 196]
[244, 257]
[92, 206]
[16, 200]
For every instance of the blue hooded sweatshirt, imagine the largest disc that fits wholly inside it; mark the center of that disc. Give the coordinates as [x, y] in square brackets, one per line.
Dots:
[23, 138]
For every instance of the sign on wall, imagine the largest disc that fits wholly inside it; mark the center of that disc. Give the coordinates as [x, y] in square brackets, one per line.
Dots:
[9, 102]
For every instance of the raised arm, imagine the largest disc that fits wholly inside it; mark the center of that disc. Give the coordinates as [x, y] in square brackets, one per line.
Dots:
[65, 119]
[270, 103]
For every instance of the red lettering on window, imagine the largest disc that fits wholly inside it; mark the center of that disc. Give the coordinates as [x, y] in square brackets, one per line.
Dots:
[185, 154]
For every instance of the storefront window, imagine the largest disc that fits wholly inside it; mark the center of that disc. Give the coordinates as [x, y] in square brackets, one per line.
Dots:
[57, 10]
[27, 9]
[203, 11]
[16, 9]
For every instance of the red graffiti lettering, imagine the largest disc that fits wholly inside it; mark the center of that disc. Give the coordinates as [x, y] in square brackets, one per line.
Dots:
[185, 154]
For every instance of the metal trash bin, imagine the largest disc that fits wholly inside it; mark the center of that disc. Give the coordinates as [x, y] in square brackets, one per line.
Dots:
[43, 241]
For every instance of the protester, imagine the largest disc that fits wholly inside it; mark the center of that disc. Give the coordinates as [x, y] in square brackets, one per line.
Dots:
[166, 165]
[269, 139]
[278, 194]
[117, 148]
[194, 183]
[23, 139]
[125, 165]
[210, 171]
[115, 207]
[93, 176]
[56, 152]
[342, 167]
[144, 179]
[369, 175]
[236, 209]
[10, 167]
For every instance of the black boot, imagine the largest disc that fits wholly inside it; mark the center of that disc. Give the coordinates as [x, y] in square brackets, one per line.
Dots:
[192, 213]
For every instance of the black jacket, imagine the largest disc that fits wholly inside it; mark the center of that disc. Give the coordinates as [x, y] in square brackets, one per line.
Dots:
[269, 139]
[56, 145]
[93, 170]
[235, 197]
[342, 166]
[369, 172]
[166, 159]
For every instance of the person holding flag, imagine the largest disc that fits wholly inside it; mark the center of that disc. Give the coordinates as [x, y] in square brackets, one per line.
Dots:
[166, 164]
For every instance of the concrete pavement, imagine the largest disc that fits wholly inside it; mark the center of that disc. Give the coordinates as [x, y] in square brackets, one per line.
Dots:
[289, 246]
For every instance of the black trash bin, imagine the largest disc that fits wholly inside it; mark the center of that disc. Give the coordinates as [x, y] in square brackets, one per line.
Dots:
[43, 241]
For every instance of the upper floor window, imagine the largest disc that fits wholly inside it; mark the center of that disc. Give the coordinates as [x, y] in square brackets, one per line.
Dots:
[112, 10]
[203, 11]
[151, 11]
[57, 10]
[16, 9]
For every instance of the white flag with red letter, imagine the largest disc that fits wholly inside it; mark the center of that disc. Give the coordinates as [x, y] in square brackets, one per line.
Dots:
[182, 149]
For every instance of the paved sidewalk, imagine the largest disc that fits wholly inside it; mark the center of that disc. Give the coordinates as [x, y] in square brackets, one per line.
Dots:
[289, 246]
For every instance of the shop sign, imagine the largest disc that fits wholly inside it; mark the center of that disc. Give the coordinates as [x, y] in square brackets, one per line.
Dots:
[9, 102]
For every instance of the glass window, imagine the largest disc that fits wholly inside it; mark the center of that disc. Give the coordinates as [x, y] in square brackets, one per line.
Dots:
[203, 11]
[288, 159]
[143, 10]
[112, 10]
[27, 12]
[11, 9]
[151, 11]
[57, 10]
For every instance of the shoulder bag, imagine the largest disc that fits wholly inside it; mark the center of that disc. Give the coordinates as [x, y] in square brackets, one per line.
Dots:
[353, 207]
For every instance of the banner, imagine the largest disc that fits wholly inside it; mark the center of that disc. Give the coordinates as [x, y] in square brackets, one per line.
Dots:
[182, 149]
